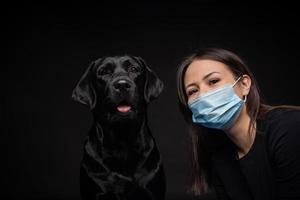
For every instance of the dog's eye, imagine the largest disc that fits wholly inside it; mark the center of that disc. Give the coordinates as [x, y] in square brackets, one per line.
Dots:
[133, 69]
[105, 71]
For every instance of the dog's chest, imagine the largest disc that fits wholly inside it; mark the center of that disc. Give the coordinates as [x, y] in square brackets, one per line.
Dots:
[123, 159]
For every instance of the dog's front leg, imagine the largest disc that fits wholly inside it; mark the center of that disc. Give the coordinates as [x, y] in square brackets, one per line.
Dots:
[115, 186]
[126, 188]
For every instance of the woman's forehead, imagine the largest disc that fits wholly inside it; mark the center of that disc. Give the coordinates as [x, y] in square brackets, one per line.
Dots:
[204, 66]
[199, 68]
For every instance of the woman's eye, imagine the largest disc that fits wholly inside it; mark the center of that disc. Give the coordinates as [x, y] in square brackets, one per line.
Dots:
[214, 81]
[190, 92]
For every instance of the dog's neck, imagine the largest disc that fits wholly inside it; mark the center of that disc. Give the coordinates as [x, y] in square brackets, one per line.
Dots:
[129, 132]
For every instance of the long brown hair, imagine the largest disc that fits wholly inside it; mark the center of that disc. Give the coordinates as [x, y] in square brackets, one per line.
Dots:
[203, 142]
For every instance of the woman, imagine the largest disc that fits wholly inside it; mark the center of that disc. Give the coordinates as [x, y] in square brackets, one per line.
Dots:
[241, 148]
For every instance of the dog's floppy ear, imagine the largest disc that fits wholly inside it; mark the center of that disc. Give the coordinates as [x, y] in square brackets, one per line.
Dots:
[153, 85]
[84, 91]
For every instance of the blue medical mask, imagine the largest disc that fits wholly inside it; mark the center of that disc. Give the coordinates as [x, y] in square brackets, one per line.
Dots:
[218, 108]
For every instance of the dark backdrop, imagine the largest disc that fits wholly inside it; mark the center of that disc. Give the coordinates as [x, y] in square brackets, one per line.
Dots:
[49, 47]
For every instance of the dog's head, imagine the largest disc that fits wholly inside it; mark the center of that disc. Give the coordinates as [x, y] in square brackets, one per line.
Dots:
[118, 88]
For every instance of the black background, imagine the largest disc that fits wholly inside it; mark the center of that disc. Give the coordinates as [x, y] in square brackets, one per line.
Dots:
[50, 46]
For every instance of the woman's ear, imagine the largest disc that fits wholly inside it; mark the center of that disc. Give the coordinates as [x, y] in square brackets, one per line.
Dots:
[153, 85]
[84, 92]
[245, 84]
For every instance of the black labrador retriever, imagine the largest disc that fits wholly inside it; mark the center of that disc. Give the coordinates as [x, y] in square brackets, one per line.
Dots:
[120, 159]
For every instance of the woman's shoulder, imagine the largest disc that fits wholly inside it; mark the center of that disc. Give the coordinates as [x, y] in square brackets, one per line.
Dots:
[283, 116]
[282, 127]
[283, 147]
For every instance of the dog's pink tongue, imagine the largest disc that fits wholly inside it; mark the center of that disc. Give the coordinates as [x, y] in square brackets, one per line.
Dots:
[123, 108]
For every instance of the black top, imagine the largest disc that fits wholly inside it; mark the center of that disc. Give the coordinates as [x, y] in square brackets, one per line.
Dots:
[271, 169]
[257, 169]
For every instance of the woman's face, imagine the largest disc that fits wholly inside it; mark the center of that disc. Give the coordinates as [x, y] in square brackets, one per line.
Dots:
[204, 75]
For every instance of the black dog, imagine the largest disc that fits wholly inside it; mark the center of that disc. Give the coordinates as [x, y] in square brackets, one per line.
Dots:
[121, 159]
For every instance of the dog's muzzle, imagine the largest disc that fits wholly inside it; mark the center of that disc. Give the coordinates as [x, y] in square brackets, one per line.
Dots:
[122, 85]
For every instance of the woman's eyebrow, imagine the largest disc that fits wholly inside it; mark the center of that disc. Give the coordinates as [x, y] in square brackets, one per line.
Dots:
[189, 85]
[209, 74]
[205, 77]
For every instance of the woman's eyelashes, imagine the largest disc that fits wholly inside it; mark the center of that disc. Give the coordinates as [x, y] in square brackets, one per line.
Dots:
[191, 91]
[213, 82]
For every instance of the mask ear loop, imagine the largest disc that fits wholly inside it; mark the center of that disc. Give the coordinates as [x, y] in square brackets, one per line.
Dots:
[245, 98]
[236, 81]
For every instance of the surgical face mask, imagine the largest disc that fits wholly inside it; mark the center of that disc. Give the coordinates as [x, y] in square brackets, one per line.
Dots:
[218, 108]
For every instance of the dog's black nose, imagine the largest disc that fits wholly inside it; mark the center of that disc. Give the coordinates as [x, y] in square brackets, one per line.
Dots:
[122, 85]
